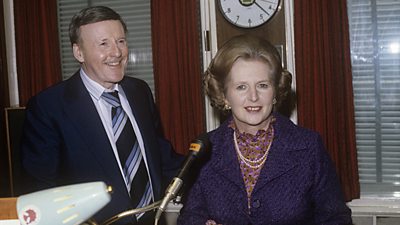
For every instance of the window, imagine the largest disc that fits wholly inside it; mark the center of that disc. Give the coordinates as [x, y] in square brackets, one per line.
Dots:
[136, 14]
[375, 52]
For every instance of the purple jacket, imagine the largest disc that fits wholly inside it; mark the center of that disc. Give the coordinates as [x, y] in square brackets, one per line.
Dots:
[298, 184]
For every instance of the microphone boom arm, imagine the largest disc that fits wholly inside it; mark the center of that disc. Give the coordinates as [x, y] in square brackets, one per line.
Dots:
[132, 212]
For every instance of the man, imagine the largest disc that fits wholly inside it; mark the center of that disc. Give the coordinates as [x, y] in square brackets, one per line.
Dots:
[99, 125]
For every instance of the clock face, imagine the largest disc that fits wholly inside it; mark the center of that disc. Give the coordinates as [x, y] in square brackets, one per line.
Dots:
[248, 13]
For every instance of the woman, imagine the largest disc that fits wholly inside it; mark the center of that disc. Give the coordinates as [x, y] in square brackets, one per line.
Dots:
[263, 168]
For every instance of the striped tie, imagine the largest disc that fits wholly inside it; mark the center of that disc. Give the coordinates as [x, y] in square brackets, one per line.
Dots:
[129, 153]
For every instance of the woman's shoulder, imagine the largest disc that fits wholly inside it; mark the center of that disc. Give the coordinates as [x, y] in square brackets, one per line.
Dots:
[222, 131]
[290, 132]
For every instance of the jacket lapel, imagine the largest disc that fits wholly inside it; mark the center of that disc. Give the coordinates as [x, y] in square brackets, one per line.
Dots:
[279, 162]
[80, 108]
[283, 156]
[136, 96]
[226, 163]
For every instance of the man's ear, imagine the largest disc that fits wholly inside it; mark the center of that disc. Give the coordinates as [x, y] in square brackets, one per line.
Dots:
[78, 53]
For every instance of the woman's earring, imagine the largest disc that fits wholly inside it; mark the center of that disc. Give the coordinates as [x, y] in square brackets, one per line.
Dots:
[227, 107]
[274, 101]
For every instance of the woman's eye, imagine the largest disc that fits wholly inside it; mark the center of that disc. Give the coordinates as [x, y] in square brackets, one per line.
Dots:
[263, 85]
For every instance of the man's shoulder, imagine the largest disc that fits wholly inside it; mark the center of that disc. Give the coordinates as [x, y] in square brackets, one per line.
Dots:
[60, 90]
[51, 91]
[132, 85]
[130, 80]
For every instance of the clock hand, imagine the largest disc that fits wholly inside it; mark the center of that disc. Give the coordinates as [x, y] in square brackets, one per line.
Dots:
[259, 6]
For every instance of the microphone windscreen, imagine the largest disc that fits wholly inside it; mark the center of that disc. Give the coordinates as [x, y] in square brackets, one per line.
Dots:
[200, 144]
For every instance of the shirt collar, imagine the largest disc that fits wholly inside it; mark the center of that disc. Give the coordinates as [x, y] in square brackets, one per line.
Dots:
[232, 125]
[94, 88]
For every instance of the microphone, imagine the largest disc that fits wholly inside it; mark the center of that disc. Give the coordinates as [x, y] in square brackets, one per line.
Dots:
[196, 149]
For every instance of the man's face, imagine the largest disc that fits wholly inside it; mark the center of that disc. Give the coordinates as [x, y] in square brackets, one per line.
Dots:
[103, 51]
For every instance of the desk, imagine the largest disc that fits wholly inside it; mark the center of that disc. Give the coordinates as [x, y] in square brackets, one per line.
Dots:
[8, 209]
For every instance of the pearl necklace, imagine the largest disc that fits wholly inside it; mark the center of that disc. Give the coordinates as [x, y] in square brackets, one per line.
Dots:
[259, 162]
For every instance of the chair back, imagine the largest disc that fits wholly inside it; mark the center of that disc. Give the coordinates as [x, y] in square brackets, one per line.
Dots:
[15, 117]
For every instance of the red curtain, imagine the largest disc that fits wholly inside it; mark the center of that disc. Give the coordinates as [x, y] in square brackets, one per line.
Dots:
[177, 70]
[324, 83]
[37, 46]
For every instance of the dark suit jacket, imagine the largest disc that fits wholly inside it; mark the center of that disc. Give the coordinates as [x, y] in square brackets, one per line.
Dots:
[64, 141]
[296, 186]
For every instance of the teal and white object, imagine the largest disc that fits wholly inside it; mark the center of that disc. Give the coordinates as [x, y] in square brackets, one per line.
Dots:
[66, 205]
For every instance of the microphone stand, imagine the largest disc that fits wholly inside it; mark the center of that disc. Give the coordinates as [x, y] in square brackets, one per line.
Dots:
[172, 192]
[133, 212]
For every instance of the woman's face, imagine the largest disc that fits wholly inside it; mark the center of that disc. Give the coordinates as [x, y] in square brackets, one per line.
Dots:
[250, 93]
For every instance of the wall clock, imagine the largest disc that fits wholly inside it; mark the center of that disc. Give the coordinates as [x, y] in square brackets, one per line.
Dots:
[248, 13]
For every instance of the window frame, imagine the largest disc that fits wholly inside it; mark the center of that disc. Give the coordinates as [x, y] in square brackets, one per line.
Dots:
[375, 94]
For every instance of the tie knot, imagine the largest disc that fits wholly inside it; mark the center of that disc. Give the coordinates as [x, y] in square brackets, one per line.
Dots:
[111, 98]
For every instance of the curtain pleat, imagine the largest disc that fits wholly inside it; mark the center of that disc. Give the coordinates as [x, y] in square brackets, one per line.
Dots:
[324, 83]
[177, 70]
[37, 46]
